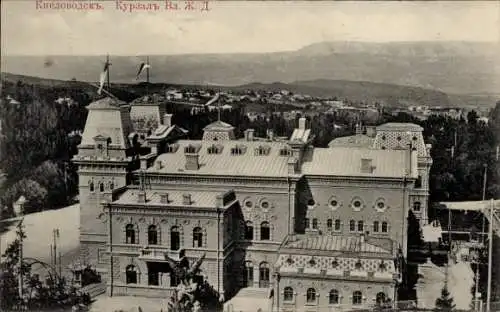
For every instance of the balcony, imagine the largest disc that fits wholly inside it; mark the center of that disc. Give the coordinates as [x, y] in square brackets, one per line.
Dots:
[158, 253]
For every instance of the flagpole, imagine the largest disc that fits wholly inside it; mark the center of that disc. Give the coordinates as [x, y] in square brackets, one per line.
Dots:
[107, 72]
[147, 70]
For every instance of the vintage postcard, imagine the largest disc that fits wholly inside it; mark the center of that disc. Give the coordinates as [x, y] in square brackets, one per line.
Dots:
[249, 156]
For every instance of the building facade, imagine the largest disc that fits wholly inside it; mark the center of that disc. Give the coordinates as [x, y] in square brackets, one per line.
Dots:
[315, 228]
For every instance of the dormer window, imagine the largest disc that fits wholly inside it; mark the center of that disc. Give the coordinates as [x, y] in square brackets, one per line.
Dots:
[262, 151]
[190, 149]
[214, 149]
[238, 150]
[171, 148]
[285, 152]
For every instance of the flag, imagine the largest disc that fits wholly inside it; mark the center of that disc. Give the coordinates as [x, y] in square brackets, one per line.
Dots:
[103, 77]
[142, 67]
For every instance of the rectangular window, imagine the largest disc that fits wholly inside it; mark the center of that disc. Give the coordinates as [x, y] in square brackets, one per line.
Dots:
[306, 223]
[337, 225]
[315, 224]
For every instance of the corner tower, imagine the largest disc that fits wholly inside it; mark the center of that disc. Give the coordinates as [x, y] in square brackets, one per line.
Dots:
[409, 136]
[105, 157]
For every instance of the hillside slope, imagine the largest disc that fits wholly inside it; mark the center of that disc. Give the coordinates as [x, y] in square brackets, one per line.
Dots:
[454, 67]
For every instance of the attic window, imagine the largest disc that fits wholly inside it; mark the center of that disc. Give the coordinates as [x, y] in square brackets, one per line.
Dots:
[415, 138]
[189, 149]
[237, 150]
[289, 260]
[171, 148]
[262, 151]
[382, 266]
[285, 152]
[214, 149]
[312, 262]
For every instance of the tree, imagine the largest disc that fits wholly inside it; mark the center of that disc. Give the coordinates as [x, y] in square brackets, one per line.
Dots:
[445, 302]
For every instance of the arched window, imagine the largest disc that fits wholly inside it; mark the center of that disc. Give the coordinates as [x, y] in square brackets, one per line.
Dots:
[175, 238]
[288, 294]
[111, 185]
[315, 223]
[360, 226]
[130, 234]
[384, 227]
[152, 235]
[381, 298]
[197, 237]
[416, 206]
[265, 232]
[333, 297]
[264, 275]
[101, 187]
[248, 274]
[337, 225]
[357, 298]
[329, 224]
[352, 226]
[376, 226]
[131, 274]
[311, 295]
[249, 230]
[91, 186]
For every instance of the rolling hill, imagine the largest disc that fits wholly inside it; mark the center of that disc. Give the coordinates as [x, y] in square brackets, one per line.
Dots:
[388, 94]
[451, 67]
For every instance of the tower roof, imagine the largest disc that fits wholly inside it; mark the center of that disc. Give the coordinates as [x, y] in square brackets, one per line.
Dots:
[218, 126]
[108, 118]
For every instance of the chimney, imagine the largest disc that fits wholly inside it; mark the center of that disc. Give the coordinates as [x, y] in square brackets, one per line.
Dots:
[292, 166]
[141, 197]
[302, 123]
[219, 201]
[186, 199]
[158, 165]
[164, 198]
[167, 120]
[249, 134]
[270, 134]
[366, 166]
[371, 131]
[192, 161]
[359, 129]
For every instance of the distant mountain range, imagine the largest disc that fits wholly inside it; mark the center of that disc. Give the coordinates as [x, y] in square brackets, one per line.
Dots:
[369, 92]
[451, 67]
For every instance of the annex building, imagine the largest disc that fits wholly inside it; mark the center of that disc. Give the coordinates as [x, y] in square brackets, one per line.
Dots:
[312, 228]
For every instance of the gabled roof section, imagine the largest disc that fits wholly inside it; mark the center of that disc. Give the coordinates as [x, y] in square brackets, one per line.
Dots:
[335, 243]
[150, 99]
[300, 135]
[347, 161]
[218, 126]
[108, 118]
[358, 140]
[106, 103]
[235, 159]
[399, 126]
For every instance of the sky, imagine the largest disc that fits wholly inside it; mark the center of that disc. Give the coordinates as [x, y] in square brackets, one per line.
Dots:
[237, 26]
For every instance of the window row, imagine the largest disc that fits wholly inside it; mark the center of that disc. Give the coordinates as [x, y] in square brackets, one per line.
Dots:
[333, 296]
[354, 226]
[265, 231]
[132, 236]
[264, 274]
[356, 204]
[101, 186]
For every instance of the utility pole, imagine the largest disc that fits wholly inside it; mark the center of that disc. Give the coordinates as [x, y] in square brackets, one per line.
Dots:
[476, 295]
[55, 233]
[490, 258]
[20, 276]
